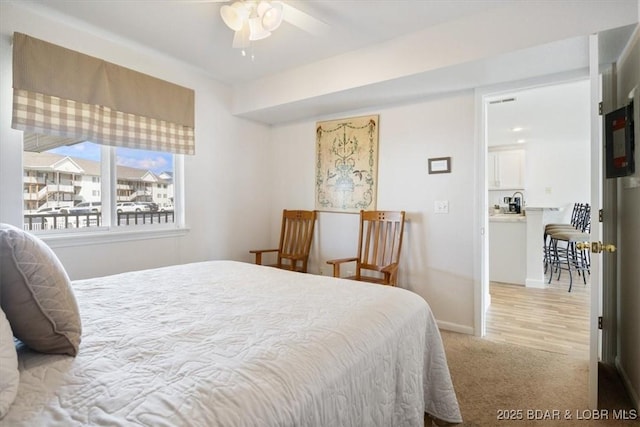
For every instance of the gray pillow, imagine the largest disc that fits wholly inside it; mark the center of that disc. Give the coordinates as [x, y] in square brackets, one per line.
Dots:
[36, 294]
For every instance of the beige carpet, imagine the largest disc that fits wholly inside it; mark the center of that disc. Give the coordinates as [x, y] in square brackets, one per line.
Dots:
[493, 379]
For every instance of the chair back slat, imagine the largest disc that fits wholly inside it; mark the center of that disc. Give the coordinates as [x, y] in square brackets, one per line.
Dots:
[295, 237]
[575, 214]
[380, 239]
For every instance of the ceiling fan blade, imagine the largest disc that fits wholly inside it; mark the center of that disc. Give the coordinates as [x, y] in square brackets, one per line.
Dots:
[304, 21]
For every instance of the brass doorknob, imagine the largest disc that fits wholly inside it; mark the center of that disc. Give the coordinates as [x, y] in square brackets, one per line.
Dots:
[583, 245]
[596, 247]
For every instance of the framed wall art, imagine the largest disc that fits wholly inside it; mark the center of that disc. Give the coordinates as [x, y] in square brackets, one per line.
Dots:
[440, 165]
[347, 164]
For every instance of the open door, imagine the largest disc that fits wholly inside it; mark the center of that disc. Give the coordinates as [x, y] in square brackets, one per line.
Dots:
[605, 135]
[596, 205]
[603, 216]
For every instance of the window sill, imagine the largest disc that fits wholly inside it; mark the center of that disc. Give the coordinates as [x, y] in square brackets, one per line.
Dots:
[64, 240]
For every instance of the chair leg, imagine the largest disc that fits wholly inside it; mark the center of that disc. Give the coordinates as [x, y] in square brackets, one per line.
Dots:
[554, 259]
[569, 262]
[546, 252]
[563, 258]
[570, 253]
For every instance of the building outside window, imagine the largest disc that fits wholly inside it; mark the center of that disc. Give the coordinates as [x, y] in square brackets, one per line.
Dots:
[63, 188]
[133, 121]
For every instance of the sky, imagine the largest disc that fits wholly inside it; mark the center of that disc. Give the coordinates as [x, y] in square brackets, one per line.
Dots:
[154, 161]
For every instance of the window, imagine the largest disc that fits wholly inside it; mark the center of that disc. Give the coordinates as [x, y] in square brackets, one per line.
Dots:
[64, 188]
[61, 100]
[141, 174]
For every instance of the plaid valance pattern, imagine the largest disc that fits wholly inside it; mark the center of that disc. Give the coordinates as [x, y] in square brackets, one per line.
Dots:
[70, 97]
[50, 115]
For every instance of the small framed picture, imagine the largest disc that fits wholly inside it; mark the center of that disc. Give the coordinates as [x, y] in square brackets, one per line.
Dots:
[440, 165]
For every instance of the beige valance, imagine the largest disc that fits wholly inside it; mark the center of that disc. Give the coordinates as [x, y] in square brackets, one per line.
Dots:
[61, 92]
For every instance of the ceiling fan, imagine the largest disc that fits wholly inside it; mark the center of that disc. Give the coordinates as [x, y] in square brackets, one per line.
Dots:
[253, 20]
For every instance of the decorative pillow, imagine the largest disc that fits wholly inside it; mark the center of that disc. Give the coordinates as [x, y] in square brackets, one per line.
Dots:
[9, 375]
[36, 294]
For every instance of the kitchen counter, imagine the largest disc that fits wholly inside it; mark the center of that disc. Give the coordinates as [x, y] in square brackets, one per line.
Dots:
[507, 218]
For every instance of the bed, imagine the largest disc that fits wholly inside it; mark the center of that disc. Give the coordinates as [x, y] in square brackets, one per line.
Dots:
[225, 343]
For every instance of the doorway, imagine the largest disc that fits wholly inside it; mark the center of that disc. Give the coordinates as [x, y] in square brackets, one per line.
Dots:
[538, 144]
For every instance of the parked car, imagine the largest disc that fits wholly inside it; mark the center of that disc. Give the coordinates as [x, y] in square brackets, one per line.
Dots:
[168, 207]
[131, 207]
[85, 208]
[153, 207]
[51, 210]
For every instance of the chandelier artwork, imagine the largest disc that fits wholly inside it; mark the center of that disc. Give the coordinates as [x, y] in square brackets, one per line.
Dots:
[251, 20]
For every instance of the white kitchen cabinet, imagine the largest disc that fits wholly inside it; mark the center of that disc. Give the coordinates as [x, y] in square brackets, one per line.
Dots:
[508, 250]
[505, 169]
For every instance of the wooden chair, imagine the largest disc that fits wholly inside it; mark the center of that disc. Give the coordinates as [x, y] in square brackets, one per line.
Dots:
[379, 244]
[296, 235]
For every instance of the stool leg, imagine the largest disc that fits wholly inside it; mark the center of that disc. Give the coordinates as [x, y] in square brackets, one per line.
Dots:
[570, 251]
[570, 260]
[545, 260]
[554, 259]
[552, 252]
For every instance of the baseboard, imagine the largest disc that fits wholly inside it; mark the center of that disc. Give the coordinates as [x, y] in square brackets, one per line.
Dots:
[535, 283]
[633, 394]
[454, 327]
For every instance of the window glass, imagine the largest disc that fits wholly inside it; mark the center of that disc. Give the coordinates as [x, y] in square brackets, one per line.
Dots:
[144, 191]
[63, 188]
[59, 184]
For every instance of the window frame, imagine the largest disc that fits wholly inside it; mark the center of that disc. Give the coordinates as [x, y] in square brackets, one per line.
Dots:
[109, 231]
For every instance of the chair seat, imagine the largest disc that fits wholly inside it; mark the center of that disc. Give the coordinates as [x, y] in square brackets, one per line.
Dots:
[379, 243]
[370, 279]
[299, 268]
[296, 235]
[571, 236]
[559, 227]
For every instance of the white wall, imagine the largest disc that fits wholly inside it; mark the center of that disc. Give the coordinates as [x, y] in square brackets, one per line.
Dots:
[227, 181]
[629, 233]
[556, 164]
[437, 253]
[557, 148]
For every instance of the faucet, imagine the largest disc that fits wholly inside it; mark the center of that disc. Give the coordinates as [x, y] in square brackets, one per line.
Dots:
[519, 205]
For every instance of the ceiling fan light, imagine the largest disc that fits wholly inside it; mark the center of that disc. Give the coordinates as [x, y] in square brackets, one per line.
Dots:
[241, 38]
[271, 14]
[256, 30]
[234, 15]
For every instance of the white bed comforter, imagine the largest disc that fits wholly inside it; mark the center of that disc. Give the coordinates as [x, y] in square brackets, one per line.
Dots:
[224, 343]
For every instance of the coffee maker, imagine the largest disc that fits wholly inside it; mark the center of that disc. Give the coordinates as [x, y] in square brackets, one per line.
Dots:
[515, 206]
[514, 203]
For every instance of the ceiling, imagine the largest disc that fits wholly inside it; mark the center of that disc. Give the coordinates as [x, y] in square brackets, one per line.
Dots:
[193, 32]
[555, 113]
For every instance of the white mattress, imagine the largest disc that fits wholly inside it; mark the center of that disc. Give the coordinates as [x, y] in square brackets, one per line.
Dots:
[224, 343]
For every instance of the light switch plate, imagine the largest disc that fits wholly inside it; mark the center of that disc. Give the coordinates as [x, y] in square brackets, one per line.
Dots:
[441, 207]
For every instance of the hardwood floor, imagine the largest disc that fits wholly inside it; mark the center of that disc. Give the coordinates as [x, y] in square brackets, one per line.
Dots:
[549, 319]
[554, 320]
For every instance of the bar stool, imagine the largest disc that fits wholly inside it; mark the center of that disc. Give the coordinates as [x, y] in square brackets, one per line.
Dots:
[576, 219]
[567, 256]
